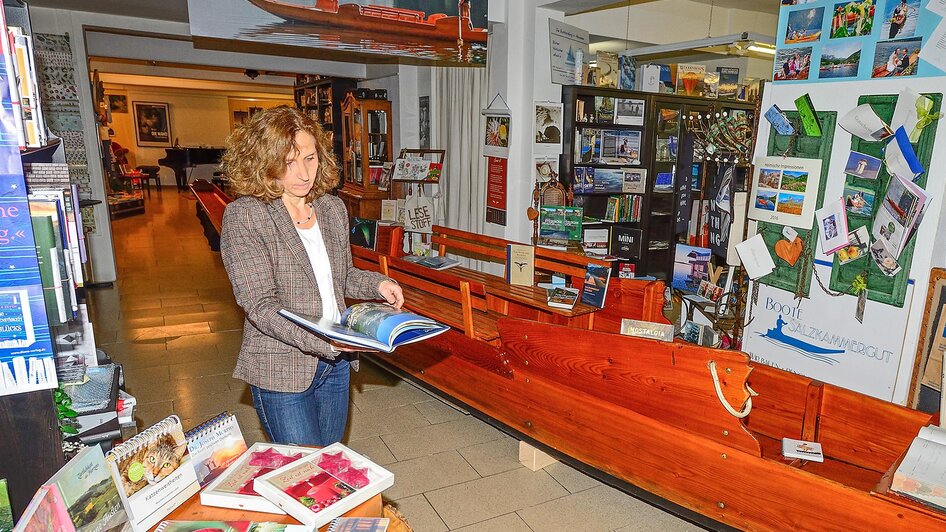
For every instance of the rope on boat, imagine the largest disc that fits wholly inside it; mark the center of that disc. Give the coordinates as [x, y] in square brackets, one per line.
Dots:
[722, 399]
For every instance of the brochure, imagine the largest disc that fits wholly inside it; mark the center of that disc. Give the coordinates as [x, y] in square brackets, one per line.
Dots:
[373, 326]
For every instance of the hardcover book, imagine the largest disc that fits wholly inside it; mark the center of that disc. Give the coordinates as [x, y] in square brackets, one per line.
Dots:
[214, 445]
[324, 484]
[710, 85]
[437, 263]
[604, 109]
[626, 242]
[88, 493]
[728, 82]
[153, 473]
[371, 325]
[596, 285]
[689, 79]
[363, 232]
[560, 222]
[564, 298]
[234, 487]
[802, 450]
[520, 264]
[920, 474]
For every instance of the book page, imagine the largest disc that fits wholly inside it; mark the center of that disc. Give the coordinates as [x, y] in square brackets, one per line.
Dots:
[934, 434]
[922, 474]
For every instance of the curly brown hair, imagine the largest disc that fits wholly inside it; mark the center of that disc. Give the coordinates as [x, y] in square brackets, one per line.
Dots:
[256, 154]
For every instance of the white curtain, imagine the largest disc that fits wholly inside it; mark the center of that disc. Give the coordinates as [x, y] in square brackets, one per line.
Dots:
[457, 97]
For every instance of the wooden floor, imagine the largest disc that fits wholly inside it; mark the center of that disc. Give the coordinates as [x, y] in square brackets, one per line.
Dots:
[172, 322]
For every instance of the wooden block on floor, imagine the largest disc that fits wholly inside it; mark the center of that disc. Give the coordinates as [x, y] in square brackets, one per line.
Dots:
[533, 458]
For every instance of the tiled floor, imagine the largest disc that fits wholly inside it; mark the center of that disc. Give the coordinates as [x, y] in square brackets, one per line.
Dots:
[172, 322]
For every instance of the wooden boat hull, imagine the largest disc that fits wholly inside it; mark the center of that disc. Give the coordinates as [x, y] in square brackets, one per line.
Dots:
[645, 412]
[353, 17]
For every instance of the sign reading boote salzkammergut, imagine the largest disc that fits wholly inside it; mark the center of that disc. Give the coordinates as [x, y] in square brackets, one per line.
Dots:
[797, 336]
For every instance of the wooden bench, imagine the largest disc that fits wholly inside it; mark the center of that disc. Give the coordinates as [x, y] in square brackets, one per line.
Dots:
[458, 302]
[211, 202]
[627, 298]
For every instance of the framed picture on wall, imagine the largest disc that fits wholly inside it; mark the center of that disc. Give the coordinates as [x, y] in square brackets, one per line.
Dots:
[118, 103]
[152, 124]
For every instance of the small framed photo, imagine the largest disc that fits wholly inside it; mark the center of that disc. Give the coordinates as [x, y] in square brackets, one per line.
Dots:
[152, 124]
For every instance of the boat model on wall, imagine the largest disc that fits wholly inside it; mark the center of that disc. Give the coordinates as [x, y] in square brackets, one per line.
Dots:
[388, 20]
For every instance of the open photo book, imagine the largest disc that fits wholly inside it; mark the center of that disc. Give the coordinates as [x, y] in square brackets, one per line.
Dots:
[372, 326]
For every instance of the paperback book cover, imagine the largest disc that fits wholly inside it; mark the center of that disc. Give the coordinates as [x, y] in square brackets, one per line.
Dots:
[728, 82]
[596, 285]
[520, 264]
[564, 298]
[604, 109]
[626, 242]
[153, 472]
[802, 450]
[371, 325]
[710, 87]
[214, 445]
[89, 493]
[689, 79]
[560, 222]
[230, 526]
[359, 524]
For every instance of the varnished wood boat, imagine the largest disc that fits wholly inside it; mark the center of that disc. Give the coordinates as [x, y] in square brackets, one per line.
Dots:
[389, 20]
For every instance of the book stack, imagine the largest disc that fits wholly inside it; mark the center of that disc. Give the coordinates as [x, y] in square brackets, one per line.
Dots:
[625, 208]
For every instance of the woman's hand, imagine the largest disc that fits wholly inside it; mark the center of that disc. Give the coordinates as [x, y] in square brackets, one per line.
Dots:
[391, 292]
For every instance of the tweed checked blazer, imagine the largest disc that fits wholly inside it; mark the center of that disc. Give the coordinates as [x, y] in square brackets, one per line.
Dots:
[270, 270]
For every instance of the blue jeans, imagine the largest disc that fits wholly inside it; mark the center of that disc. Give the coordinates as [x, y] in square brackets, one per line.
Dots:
[316, 416]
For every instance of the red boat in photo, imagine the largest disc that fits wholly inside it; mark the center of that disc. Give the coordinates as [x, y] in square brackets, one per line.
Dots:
[390, 20]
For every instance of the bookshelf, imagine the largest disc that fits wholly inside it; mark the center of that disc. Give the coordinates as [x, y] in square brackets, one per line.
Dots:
[321, 98]
[648, 141]
[366, 146]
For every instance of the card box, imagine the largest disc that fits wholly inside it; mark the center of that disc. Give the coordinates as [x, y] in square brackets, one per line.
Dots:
[223, 491]
[282, 486]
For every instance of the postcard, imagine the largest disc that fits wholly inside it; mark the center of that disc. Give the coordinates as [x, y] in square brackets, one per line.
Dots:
[629, 112]
[832, 226]
[859, 242]
[755, 257]
[862, 165]
[548, 128]
[792, 202]
[897, 58]
[859, 200]
[635, 180]
[792, 63]
[901, 159]
[883, 259]
[863, 122]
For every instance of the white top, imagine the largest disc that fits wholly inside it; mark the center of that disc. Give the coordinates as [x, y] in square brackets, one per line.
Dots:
[315, 249]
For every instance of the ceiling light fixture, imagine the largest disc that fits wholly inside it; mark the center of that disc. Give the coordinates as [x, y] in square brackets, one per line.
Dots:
[761, 49]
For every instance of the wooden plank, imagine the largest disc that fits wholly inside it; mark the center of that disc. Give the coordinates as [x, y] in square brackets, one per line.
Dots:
[813, 398]
[666, 381]
[779, 409]
[629, 298]
[866, 431]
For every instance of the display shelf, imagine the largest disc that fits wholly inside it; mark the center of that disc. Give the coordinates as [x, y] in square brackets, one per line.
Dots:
[663, 117]
[320, 97]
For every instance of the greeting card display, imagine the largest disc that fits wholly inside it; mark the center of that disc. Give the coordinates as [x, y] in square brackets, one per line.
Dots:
[234, 488]
[324, 484]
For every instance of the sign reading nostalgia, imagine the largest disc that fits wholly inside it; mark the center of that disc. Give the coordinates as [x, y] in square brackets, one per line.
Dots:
[450, 32]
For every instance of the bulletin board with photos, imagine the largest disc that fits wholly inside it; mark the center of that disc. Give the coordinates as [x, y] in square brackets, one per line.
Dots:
[789, 265]
[864, 197]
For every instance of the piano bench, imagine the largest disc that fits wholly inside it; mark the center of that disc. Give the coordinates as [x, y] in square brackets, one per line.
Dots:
[151, 173]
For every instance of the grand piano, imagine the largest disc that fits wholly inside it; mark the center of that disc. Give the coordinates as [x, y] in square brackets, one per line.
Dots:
[180, 159]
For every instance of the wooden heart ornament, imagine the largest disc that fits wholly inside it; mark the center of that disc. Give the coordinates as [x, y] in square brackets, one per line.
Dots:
[789, 252]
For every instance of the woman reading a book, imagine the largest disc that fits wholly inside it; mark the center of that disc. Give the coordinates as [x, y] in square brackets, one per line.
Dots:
[284, 244]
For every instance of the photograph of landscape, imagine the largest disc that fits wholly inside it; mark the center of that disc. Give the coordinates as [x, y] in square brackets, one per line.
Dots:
[769, 178]
[790, 203]
[794, 181]
[765, 200]
[840, 60]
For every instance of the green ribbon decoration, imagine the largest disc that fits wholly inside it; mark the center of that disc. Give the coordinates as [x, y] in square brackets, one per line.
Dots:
[924, 106]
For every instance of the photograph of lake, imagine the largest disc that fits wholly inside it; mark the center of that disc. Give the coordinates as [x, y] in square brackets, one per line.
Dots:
[840, 59]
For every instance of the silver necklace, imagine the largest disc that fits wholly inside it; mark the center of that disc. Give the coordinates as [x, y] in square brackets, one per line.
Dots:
[311, 214]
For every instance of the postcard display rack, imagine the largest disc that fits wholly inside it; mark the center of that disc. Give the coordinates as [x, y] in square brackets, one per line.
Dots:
[321, 98]
[661, 160]
[814, 316]
[366, 146]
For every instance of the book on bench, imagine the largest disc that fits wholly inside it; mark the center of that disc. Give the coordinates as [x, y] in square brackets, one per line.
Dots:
[922, 473]
[372, 326]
